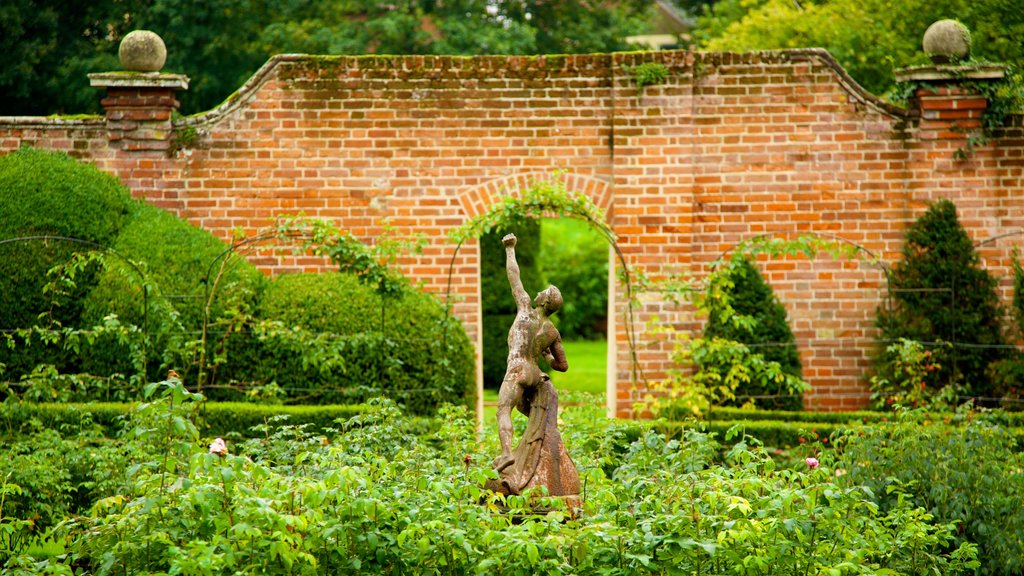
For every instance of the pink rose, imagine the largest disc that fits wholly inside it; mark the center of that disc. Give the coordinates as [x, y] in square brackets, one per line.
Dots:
[219, 447]
[812, 462]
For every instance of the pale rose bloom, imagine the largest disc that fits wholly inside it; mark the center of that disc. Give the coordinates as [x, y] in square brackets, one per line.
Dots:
[840, 472]
[219, 447]
[812, 462]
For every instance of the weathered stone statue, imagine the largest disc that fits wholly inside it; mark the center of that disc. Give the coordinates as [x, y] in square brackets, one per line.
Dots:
[540, 458]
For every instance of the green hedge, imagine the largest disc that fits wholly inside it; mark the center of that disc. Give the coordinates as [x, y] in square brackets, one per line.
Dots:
[49, 194]
[329, 347]
[177, 259]
[678, 412]
[218, 418]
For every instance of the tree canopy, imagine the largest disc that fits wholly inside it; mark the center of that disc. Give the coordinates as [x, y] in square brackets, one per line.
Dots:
[868, 37]
[51, 45]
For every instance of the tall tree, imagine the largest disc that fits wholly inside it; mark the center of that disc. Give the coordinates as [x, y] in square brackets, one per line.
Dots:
[868, 37]
[220, 43]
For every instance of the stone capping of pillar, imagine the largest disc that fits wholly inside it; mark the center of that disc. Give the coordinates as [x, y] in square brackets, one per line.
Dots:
[138, 80]
[947, 73]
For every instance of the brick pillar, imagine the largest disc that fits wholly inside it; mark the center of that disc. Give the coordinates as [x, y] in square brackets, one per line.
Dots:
[949, 109]
[139, 107]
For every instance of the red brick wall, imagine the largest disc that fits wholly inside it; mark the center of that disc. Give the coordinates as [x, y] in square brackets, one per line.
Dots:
[729, 147]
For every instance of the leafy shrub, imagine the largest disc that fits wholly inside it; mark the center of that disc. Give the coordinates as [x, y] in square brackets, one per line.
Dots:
[941, 294]
[715, 370]
[329, 338]
[49, 193]
[499, 308]
[376, 500]
[769, 333]
[182, 266]
[574, 258]
[969, 476]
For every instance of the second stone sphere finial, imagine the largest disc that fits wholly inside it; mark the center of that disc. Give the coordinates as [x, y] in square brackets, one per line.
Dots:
[947, 41]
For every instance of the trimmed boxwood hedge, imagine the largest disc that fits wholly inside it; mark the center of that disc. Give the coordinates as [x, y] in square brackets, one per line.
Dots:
[331, 348]
[218, 418]
[238, 419]
[45, 193]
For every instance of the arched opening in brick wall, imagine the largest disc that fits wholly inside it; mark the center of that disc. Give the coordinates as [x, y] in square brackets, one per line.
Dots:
[479, 199]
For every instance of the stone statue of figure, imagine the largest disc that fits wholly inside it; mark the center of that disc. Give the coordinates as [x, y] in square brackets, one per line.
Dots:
[540, 458]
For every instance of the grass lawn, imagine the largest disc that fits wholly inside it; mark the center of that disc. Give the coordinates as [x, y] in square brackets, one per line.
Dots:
[588, 367]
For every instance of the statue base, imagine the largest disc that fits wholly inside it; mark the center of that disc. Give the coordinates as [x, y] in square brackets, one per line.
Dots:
[536, 506]
[540, 459]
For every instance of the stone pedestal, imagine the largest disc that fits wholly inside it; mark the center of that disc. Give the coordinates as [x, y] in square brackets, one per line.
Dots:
[948, 109]
[540, 458]
[139, 107]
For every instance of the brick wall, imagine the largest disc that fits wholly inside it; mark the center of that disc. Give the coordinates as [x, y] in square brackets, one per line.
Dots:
[728, 148]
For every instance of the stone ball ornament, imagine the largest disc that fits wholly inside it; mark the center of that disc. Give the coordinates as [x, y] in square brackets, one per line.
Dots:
[947, 41]
[142, 51]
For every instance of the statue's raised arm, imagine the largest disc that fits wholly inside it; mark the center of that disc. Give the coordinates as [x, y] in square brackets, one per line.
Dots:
[512, 267]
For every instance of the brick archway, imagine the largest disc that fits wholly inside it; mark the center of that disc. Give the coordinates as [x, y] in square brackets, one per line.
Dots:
[476, 200]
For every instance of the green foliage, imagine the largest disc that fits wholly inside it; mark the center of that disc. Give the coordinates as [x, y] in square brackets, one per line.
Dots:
[216, 418]
[868, 37]
[969, 477]
[769, 333]
[497, 303]
[372, 265]
[329, 338]
[574, 257]
[908, 387]
[220, 44]
[942, 295]
[375, 499]
[191, 278]
[49, 194]
[649, 74]
[543, 198]
[714, 367]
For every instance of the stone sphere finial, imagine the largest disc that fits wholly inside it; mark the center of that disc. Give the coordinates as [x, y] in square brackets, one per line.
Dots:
[142, 51]
[947, 41]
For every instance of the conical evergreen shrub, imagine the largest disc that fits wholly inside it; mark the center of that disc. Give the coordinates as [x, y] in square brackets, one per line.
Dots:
[770, 336]
[943, 298]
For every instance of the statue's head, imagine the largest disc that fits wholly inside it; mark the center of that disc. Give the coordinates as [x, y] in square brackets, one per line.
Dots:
[550, 299]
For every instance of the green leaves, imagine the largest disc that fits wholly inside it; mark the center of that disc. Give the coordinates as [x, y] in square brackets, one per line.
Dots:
[544, 198]
[376, 499]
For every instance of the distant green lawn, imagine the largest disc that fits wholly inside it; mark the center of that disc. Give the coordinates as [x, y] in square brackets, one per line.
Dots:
[588, 367]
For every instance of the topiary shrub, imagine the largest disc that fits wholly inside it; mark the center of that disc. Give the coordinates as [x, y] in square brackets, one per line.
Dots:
[320, 340]
[940, 294]
[499, 308]
[770, 335]
[46, 193]
[574, 258]
[181, 263]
